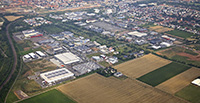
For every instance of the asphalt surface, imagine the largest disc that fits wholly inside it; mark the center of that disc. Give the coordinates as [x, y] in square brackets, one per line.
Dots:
[14, 54]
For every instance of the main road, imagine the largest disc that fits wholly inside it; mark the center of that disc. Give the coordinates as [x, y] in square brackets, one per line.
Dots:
[14, 54]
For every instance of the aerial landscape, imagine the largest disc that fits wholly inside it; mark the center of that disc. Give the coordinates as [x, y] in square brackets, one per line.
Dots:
[99, 51]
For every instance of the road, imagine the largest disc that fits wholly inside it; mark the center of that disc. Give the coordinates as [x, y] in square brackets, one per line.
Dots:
[14, 54]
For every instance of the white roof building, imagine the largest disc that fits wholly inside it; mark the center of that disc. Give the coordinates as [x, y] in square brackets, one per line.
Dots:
[67, 58]
[41, 54]
[56, 75]
[136, 33]
[196, 82]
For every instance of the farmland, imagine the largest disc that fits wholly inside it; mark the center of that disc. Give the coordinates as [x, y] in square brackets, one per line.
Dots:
[138, 67]
[12, 18]
[98, 89]
[179, 33]
[190, 93]
[180, 81]
[52, 96]
[159, 29]
[181, 54]
[162, 74]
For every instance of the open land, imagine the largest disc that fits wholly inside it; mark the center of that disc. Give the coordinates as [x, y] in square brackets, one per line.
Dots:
[98, 89]
[179, 33]
[180, 81]
[190, 93]
[41, 65]
[52, 96]
[107, 26]
[159, 29]
[12, 18]
[138, 67]
[162, 74]
[182, 54]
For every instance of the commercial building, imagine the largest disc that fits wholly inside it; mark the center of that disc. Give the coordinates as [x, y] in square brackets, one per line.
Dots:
[67, 58]
[41, 54]
[56, 75]
[31, 33]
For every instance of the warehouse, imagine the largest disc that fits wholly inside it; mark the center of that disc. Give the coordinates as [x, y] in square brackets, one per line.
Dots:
[196, 82]
[67, 58]
[32, 55]
[41, 54]
[56, 75]
[137, 34]
[31, 33]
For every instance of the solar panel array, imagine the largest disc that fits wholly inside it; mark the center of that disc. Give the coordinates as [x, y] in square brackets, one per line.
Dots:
[56, 73]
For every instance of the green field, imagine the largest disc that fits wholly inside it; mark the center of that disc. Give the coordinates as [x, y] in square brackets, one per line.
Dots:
[179, 33]
[190, 93]
[162, 74]
[185, 60]
[52, 96]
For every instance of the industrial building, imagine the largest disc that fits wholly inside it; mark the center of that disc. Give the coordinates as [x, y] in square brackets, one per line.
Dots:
[67, 58]
[196, 82]
[31, 33]
[56, 75]
[85, 67]
[32, 55]
[41, 54]
[137, 34]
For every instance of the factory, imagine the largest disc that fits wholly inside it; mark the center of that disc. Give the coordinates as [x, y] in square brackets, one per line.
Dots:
[67, 58]
[56, 75]
[31, 33]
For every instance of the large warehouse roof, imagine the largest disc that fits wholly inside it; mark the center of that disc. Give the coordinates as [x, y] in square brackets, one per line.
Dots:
[138, 34]
[67, 58]
[56, 75]
[196, 82]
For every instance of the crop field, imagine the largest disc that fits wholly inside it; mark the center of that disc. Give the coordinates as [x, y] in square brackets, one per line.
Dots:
[180, 81]
[162, 74]
[179, 33]
[98, 89]
[12, 18]
[190, 93]
[52, 96]
[160, 29]
[140, 66]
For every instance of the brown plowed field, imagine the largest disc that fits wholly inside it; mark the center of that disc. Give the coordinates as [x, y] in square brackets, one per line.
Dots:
[191, 57]
[180, 81]
[140, 66]
[98, 89]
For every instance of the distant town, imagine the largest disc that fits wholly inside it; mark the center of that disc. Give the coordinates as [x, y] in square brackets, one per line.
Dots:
[118, 50]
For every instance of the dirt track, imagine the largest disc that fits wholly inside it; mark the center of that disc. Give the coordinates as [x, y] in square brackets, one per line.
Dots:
[14, 54]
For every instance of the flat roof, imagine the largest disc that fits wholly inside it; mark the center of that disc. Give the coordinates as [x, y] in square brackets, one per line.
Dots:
[138, 34]
[196, 82]
[67, 58]
[56, 75]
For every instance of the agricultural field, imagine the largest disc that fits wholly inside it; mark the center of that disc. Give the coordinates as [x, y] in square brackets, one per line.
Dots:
[159, 29]
[181, 34]
[52, 96]
[190, 93]
[140, 66]
[98, 89]
[12, 18]
[162, 74]
[180, 81]
[182, 54]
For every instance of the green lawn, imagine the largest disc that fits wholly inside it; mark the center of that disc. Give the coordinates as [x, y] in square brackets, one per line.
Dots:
[179, 33]
[162, 74]
[190, 93]
[52, 96]
[11, 98]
